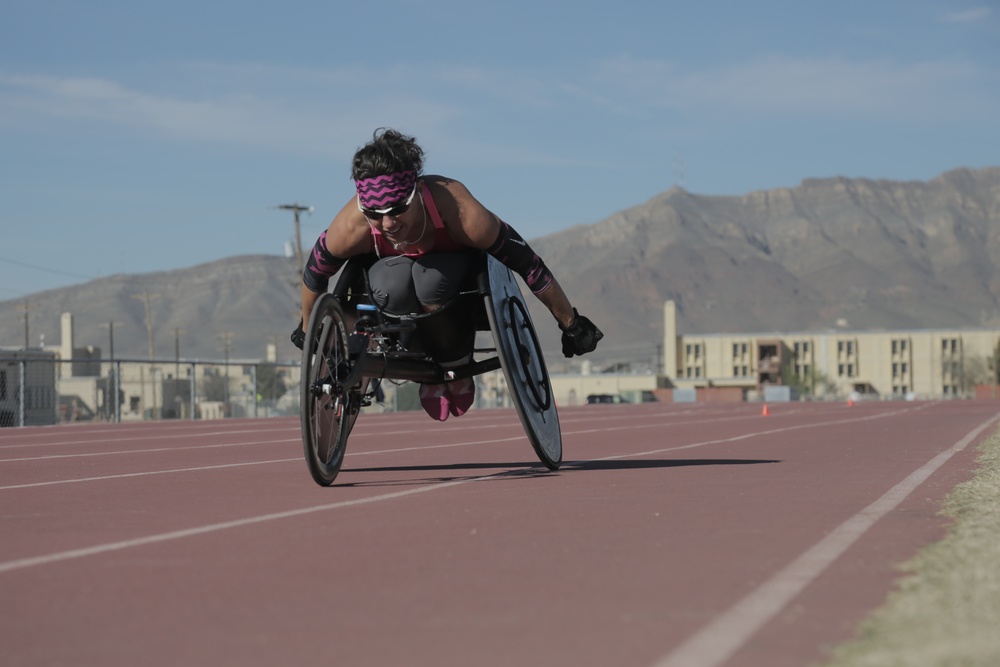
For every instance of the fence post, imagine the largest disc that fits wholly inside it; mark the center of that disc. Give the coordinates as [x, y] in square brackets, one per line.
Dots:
[118, 392]
[192, 374]
[21, 366]
[255, 390]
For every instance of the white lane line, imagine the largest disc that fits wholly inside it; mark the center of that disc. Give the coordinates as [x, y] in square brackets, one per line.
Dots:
[717, 441]
[382, 434]
[190, 532]
[23, 563]
[719, 640]
[133, 438]
[248, 463]
[103, 478]
[148, 451]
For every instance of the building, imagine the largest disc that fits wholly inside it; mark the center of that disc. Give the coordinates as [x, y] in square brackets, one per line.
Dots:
[832, 364]
[918, 363]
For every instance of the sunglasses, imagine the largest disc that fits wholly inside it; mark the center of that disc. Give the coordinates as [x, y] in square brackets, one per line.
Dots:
[375, 214]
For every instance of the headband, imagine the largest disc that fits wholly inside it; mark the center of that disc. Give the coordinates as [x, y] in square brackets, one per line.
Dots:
[382, 191]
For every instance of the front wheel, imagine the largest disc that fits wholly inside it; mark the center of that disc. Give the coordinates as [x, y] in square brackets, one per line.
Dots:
[329, 409]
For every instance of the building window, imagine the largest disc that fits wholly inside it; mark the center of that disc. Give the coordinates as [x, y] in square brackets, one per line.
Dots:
[949, 346]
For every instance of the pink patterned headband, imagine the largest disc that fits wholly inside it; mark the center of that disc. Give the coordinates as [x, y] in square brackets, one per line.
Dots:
[383, 191]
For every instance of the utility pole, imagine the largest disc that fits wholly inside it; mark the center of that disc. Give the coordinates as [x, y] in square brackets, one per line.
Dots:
[177, 352]
[112, 383]
[227, 339]
[111, 338]
[146, 298]
[27, 340]
[296, 209]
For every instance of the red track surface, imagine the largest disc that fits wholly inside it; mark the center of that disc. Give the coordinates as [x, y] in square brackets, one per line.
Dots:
[672, 535]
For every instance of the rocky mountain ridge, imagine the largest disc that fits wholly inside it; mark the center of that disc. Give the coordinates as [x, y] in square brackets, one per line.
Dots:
[829, 253]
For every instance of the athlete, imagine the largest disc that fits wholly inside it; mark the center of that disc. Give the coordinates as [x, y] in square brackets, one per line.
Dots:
[426, 231]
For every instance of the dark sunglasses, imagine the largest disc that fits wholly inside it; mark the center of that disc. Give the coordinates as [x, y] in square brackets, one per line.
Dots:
[375, 214]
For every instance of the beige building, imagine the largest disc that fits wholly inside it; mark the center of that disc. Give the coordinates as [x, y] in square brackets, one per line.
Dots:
[833, 364]
[924, 363]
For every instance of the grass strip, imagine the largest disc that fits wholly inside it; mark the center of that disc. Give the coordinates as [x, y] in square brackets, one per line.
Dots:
[946, 610]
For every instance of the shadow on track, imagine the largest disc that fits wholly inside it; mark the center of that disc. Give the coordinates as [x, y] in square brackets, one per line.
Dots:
[645, 464]
[531, 469]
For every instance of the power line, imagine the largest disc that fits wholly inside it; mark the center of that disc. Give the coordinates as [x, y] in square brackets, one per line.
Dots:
[46, 269]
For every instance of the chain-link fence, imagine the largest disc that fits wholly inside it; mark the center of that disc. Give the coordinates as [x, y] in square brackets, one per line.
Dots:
[39, 389]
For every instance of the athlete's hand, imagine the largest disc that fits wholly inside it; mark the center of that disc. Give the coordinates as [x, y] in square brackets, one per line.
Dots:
[580, 337]
[299, 336]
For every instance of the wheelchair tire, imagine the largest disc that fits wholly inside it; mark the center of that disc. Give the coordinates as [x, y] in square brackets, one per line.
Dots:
[523, 364]
[328, 409]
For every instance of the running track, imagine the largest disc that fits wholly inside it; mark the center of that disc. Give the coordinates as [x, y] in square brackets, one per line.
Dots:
[673, 535]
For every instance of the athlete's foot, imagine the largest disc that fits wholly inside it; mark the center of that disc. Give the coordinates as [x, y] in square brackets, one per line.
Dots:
[435, 401]
[462, 394]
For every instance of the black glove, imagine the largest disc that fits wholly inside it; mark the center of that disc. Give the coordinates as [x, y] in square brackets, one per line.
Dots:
[580, 337]
[299, 336]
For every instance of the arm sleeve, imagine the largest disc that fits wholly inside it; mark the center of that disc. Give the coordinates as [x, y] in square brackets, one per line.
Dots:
[320, 266]
[515, 253]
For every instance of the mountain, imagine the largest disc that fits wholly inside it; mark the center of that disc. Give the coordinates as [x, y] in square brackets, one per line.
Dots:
[834, 252]
[837, 252]
[241, 303]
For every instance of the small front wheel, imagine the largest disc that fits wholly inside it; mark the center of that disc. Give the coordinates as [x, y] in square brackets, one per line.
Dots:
[329, 409]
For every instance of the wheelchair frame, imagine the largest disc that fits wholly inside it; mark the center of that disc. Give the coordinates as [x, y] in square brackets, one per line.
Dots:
[341, 360]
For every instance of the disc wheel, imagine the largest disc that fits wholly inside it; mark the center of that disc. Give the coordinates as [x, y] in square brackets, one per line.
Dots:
[523, 365]
[329, 409]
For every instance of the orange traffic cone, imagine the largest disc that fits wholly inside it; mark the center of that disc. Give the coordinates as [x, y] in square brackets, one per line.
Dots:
[765, 412]
[850, 402]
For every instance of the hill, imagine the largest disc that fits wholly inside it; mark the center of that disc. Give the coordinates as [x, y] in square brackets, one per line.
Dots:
[835, 252]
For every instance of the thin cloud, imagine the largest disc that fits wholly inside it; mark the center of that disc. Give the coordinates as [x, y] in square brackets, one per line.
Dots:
[291, 110]
[807, 86]
[238, 118]
[968, 15]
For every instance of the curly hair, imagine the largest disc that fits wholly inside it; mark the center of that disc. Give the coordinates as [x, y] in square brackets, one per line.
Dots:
[388, 152]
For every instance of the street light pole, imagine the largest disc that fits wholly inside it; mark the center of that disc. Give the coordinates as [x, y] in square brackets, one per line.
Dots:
[296, 209]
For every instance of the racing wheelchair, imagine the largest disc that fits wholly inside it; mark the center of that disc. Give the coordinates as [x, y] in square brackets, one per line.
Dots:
[351, 344]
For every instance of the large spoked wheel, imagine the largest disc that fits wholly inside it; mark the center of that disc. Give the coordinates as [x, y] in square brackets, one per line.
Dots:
[329, 409]
[523, 365]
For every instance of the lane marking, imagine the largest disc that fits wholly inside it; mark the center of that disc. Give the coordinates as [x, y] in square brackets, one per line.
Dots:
[103, 478]
[722, 638]
[23, 563]
[247, 463]
[743, 624]
[153, 450]
[383, 434]
[735, 438]
[168, 436]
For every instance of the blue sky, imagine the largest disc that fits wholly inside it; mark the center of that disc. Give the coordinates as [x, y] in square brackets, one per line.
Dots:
[140, 137]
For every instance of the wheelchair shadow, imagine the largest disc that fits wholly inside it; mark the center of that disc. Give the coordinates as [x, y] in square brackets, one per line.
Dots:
[451, 472]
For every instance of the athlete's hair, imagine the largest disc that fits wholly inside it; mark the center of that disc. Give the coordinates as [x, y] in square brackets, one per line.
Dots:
[388, 152]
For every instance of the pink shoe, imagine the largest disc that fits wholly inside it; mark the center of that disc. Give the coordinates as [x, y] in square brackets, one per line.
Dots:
[435, 401]
[462, 394]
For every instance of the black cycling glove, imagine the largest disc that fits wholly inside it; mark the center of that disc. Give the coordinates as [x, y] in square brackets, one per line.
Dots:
[299, 336]
[580, 337]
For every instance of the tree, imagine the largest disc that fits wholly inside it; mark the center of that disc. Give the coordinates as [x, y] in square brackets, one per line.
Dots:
[213, 387]
[811, 383]
[270, 383]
